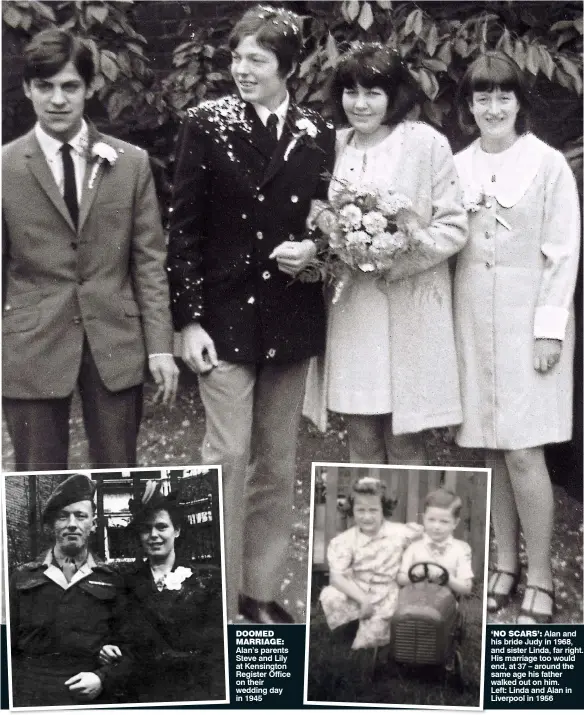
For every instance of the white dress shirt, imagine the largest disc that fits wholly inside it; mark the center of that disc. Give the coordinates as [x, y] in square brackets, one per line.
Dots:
[281, 111]
[51, 148]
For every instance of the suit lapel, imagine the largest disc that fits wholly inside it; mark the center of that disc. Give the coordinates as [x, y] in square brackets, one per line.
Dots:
[89, 193]
[40, 170]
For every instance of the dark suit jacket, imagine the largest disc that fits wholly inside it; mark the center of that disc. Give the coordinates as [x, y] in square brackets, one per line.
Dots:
[235, 199]
[106, 279]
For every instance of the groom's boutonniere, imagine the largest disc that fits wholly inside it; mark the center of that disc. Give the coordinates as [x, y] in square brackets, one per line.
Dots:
[101, 153]
[304, 127]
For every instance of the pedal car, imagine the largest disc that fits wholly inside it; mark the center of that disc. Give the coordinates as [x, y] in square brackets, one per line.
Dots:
[427, 626]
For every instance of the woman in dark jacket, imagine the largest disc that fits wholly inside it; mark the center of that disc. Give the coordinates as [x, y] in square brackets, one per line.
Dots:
[173, 625]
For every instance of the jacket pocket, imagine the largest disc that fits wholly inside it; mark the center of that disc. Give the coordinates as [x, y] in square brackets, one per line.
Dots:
[19, 320]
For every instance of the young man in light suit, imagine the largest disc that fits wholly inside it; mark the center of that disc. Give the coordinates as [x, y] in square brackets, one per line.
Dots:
[248, 168]
[85, 297]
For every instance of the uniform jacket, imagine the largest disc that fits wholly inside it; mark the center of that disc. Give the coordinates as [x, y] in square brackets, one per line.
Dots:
[425, 382]
[235, 200]
[106, 279]
[49, 621]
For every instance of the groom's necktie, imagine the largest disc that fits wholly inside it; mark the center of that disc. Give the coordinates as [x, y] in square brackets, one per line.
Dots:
[70, 192]
[272, 126]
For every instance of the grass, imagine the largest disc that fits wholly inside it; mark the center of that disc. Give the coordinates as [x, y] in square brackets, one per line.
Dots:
[337, 674]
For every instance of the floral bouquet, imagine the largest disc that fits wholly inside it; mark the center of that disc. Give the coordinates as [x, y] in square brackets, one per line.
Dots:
[362, 230]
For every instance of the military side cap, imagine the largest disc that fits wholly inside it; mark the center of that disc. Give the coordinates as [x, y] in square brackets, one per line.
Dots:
[77, 487]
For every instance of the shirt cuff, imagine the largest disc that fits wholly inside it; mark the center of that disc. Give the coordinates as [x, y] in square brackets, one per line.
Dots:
[550, 322]
[158, 355]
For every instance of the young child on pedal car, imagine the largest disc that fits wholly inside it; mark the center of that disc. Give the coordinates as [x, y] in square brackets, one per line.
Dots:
[438, 545]
[364, 561]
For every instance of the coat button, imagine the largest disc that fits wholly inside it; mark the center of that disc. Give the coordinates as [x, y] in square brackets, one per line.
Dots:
[74, 245]
[77, 320]
[488, 204]
[266, 275]
[488, 234]
[260, 235]
[488, 264]
[261, 197]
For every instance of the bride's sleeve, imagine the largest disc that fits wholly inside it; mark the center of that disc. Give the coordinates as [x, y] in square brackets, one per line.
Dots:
[447, 231]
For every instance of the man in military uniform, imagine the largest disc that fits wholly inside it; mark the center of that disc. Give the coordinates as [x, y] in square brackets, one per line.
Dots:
[62, 610]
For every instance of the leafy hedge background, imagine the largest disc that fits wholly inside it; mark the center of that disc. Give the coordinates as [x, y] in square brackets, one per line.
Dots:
[157, 58]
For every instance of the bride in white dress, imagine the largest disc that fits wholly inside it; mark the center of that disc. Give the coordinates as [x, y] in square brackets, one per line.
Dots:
[390, 364]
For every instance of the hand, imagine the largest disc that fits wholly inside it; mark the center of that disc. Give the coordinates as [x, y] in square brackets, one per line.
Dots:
[366, 610]
[546, 353]
[109, 654]
[198, 349]
[434, 573]
[293, 256]
[85, 686]
[165, 373]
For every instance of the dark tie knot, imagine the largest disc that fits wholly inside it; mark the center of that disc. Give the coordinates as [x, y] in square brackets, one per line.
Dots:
[66, 149]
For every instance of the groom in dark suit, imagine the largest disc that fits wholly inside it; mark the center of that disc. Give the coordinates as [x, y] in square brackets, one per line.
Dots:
[85, 295]
[248, 169]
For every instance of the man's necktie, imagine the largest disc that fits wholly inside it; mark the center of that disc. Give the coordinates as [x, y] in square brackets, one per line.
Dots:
[272, 125]
[70, 193]
[69, 569]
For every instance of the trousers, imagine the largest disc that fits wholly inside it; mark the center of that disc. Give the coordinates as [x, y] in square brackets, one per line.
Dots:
[252, 417]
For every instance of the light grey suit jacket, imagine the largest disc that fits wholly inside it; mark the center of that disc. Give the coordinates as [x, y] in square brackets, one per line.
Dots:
[105, 280]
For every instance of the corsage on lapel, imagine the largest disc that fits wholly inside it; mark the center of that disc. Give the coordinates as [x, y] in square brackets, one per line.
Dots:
[304, 127]
[100, 153]
[173, 581]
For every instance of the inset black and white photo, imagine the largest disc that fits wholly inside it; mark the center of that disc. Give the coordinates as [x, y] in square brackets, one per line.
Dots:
[115, 587]
[397, 607]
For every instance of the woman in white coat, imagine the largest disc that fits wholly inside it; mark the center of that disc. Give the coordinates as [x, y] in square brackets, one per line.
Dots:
[514, 319]
[390, 363]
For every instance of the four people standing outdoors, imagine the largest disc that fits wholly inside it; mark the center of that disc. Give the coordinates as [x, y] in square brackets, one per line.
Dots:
[249, 168]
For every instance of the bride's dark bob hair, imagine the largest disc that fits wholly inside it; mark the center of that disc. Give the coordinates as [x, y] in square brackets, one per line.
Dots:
[493, 70]
[371, 64]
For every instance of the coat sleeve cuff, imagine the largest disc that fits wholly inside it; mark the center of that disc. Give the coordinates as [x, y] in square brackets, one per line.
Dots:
[550, 322]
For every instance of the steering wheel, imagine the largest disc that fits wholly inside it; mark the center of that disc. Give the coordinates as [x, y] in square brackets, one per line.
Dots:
[441, 580]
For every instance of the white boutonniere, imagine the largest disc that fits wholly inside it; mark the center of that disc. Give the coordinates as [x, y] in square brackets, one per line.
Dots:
[101, 153]
[173, 581]
[304, 128]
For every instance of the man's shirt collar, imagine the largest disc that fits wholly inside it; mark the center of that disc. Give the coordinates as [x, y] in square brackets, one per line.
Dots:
[52, 147]
[280, 111]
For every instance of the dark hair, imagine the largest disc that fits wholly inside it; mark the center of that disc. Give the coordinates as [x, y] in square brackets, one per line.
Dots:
[144, 510]
[274, 29]
[371, 486]
[444, 499]
[371, 64]
[50, 50]
[491, 70]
